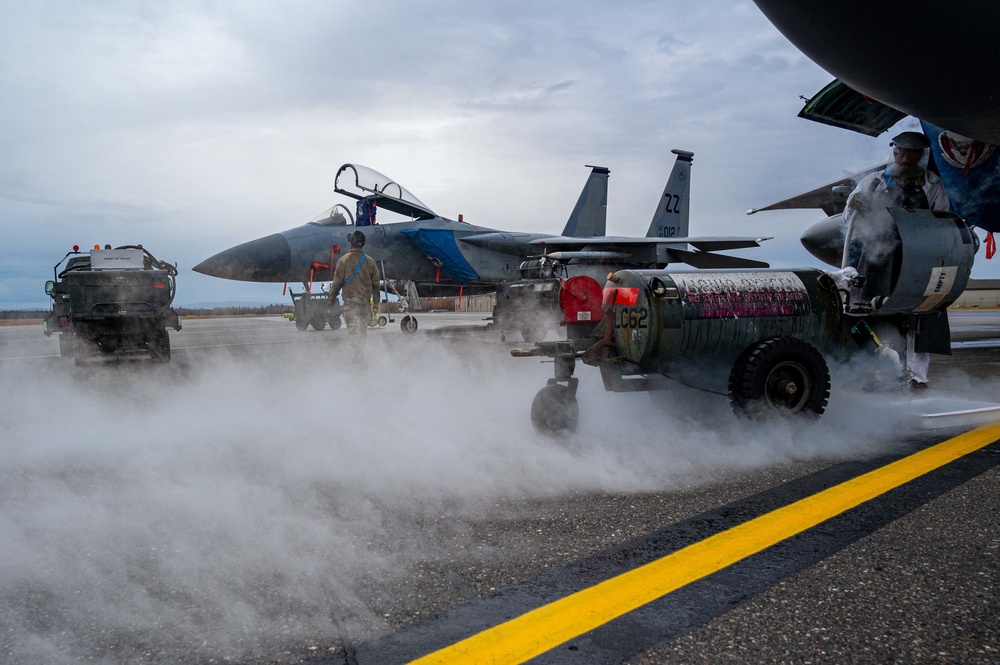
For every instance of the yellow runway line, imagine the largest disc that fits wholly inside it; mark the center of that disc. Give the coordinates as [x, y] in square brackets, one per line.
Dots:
[542, 629]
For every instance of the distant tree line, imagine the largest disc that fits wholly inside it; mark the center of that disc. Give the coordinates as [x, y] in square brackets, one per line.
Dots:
[236, 310]
[23, 314]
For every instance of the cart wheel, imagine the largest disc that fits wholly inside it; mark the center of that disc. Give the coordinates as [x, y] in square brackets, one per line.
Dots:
[555, 410]
[318, 323]
[532, 335]
[335, 323]
[408, 325]
[301, 325]
[783, 375]
[382, 320]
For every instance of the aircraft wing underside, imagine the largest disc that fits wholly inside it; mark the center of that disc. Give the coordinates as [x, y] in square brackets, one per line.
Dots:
[659, 251]
[708, 243]
[831, 197]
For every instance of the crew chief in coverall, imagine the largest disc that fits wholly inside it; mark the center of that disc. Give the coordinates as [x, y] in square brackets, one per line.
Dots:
[872, 241]
[357, 275]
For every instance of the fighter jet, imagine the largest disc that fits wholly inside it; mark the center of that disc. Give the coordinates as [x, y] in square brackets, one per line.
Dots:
[440, 255]
[665, 242]
[530, 304]
[901, 70]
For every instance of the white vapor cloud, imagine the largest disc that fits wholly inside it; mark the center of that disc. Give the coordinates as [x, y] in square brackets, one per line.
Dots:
[246, 506]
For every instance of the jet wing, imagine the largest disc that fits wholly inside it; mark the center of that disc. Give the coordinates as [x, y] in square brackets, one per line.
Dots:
[660, 251]
[713, 261]
[359, 182]
[831, 198]
[708, 243]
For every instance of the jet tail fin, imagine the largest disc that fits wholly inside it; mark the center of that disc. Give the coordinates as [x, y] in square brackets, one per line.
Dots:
[671, 217]
[590, 216]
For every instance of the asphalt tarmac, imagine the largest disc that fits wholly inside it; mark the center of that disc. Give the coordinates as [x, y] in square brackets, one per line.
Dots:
[274, 504]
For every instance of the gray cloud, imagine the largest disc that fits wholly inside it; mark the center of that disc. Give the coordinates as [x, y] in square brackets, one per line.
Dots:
[191, 128]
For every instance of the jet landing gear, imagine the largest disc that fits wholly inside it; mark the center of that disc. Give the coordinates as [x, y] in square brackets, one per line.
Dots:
[555, 411]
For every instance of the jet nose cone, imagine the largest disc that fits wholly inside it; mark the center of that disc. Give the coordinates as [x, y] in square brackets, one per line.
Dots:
[266, 259]
[825, 240]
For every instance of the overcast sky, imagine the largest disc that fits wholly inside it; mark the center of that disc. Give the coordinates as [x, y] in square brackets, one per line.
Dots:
[190, 128]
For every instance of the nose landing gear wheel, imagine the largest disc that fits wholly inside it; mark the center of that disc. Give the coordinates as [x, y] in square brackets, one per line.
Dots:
[555, 410]
[408, 325]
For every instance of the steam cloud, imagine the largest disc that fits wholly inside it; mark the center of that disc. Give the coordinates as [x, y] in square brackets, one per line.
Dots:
[241, 507]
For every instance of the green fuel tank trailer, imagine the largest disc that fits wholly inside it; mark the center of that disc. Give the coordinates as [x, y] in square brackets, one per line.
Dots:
[762, 337]
[758, 336]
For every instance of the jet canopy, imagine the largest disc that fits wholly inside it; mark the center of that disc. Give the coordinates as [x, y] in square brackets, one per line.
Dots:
[360, 182]
[337, 215]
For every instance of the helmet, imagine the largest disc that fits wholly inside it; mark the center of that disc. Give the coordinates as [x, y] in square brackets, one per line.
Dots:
[909, 155]
[911, 141]
[357, 239]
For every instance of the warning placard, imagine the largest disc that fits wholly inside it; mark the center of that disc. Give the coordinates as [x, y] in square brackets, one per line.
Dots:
[742, 295]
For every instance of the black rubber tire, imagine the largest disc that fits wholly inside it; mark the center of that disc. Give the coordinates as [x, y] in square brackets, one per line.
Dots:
[783, 375]
[159, 346]
[408, 325]
[82, 350]
[555, 410]
[318, 323]
[532, 335]
[301, 325]
[66, 344]
[335, 323]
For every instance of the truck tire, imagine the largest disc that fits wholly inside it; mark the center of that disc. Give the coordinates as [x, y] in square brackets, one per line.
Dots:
[318, 323]
[335, 323]
[82, 349]
[555, 410]
[783, 375]
[65, 344]
[301, 324]
[159, 346]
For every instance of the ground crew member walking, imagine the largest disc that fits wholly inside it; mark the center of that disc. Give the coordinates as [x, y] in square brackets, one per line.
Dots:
[357, 275]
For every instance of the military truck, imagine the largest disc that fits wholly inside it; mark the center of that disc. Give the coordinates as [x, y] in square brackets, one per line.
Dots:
[112, 302]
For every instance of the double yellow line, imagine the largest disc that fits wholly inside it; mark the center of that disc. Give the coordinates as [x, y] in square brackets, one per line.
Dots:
[542, 629]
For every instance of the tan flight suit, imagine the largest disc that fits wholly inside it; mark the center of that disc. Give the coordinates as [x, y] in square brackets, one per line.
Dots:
[359, 292]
